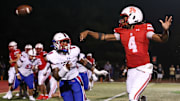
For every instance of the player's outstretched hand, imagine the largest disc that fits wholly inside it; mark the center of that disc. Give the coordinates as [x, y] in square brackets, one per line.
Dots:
[167, 23]
[83, 35]
[103, 72]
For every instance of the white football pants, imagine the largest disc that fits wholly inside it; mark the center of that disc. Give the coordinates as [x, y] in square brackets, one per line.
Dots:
[136, 82]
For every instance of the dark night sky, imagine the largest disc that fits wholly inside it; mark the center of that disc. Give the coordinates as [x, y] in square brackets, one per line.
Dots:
[74, 16]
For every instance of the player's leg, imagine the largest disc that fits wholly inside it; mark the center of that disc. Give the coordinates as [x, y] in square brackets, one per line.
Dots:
[130, 78]
[90, 79]
[137, 87]
[42, 76]
[30, 83]
[85, 80]
[36, 86]
[66, 92]
[11, 74]
[22, 90]
[78, 91]
[15, 84]
[53, 86]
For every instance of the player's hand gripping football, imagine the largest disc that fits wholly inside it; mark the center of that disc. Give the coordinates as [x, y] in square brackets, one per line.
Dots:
[167, 23]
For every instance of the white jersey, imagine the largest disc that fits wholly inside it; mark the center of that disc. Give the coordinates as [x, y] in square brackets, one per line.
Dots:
[25, 66]
[59, 60]
[81, 68]
[24, 55]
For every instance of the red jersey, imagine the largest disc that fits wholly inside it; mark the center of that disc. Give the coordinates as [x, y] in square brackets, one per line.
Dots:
[92, 60]
[13, 55]
[136, 44]
[43, 53]
[41, 62]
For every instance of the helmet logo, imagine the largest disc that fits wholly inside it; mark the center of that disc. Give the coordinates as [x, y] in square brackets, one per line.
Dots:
[132, 10]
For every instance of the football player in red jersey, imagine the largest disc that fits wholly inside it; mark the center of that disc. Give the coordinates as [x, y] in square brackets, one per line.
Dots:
[135, 35]
[14, 55]
[43, 71]
[92, 76]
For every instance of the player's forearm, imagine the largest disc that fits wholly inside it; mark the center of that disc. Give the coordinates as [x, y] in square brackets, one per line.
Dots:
[161, 37]
[16, 68]
[15, 60]
[101, 36]
[96, 35]
[165, 36]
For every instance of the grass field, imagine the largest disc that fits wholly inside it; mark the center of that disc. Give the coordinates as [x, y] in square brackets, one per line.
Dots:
[109, 91]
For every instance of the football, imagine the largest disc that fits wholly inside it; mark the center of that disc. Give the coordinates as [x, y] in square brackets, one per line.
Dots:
[23, 10]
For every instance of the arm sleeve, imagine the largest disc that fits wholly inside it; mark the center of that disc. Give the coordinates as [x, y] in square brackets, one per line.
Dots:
[117, 35]
[150, 31]
[149, 34]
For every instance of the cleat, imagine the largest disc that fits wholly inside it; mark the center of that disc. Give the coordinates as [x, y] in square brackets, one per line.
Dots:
[143, 98]
[31, 98]
[17, 95]
[46, 97]
[24, 97]
[40, 97]
[9, 96]
[5, 96]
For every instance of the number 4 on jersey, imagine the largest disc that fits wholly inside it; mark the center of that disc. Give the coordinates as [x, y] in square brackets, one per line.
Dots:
[132, 44]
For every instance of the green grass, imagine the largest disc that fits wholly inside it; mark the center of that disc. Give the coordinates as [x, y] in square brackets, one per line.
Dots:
[103, 91]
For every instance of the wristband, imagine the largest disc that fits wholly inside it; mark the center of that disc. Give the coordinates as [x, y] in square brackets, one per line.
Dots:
[100, 35]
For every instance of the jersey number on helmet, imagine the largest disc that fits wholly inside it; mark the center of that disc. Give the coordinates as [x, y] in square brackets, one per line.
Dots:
[132, 44]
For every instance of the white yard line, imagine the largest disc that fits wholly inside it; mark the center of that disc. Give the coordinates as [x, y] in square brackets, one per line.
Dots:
[121, 94]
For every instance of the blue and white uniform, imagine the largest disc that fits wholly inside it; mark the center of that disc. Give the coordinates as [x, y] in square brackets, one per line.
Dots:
[24, 55]
[26, 73]
[71, 84]
[84, 75]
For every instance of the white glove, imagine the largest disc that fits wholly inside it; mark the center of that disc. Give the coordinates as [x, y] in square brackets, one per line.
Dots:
[102, 72]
